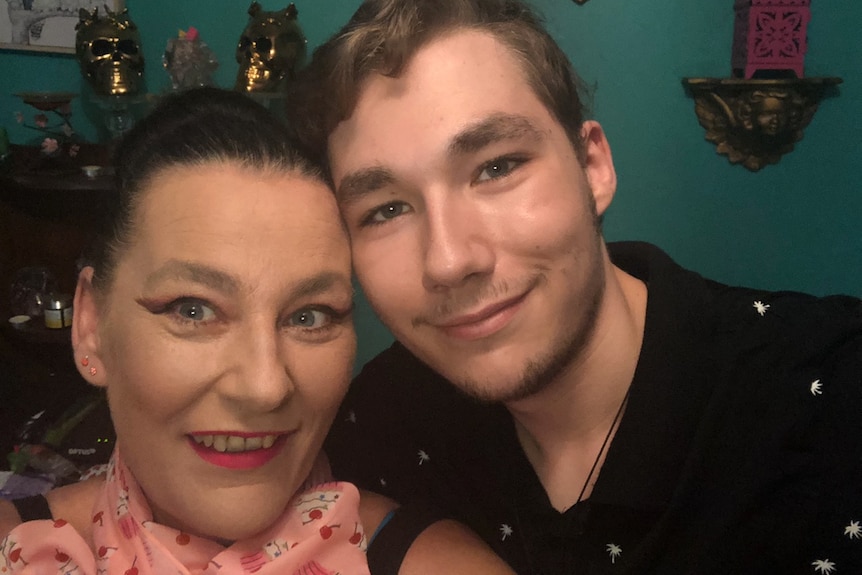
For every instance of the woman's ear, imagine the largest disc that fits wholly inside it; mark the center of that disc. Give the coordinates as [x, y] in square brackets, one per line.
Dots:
[85, 330]
[599, 165]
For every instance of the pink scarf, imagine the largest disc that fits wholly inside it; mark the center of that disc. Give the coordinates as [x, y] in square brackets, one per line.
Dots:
[318, 534]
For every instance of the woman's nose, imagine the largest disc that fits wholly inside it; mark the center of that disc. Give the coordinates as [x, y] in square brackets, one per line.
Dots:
[262, 380]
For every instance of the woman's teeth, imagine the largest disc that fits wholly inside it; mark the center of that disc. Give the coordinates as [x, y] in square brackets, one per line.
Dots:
[234, 443]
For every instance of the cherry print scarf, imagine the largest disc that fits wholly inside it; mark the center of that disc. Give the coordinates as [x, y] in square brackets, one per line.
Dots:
[318, 534]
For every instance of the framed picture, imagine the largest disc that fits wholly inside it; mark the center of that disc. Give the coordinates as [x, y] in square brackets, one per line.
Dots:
[45, 25]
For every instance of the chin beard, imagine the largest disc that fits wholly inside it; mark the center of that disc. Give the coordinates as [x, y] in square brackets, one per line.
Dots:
[541, 372]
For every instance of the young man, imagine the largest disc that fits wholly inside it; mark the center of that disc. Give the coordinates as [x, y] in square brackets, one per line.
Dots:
[587, 408]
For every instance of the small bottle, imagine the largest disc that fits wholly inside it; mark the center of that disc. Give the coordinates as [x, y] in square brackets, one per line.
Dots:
[58, 311]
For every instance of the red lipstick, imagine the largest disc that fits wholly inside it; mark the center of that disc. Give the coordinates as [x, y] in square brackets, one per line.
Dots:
[250, 459]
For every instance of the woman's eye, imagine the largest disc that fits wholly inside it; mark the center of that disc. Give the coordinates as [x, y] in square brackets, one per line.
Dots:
[497, 168]
[194, 311]
[387, 212]
[310, 319]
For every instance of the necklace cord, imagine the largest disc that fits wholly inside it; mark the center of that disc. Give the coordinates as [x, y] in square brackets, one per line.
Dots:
[604, 445]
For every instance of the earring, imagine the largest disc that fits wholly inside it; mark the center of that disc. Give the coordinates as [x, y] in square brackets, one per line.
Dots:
[85, 361]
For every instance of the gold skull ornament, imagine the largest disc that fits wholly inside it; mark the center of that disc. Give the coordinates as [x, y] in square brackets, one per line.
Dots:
[269, 50]
[109, 52]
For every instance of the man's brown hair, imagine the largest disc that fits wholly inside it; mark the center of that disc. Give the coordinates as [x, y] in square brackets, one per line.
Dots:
[382, 37]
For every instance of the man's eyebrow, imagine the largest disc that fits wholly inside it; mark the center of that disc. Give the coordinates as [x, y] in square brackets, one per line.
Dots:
[193, 272]
[494, 128]
[475, 137]
[360, 183]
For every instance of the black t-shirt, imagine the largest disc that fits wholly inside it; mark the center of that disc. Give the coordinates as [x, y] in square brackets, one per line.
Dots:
[740, 450]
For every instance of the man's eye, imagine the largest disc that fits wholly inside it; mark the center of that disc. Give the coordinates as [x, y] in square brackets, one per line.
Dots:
[310, 318]
[387, 212]
[194, 311]
[497, 168]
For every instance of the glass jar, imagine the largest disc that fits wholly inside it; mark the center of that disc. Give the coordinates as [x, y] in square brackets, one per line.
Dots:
[58, 311]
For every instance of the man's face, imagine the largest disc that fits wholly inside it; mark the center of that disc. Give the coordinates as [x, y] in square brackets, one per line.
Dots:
[473, 224]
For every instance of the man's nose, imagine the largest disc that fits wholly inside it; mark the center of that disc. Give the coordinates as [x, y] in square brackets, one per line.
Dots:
[457, 244]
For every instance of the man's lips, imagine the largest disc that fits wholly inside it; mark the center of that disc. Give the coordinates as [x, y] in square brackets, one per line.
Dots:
[481, 323]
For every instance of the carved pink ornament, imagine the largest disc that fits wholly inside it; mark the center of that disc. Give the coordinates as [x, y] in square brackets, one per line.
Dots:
[770, 35]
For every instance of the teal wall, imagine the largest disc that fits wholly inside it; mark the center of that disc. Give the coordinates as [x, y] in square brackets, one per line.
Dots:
[794, 225]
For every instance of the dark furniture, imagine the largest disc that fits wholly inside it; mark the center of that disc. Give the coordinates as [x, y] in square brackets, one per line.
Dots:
[47, 214]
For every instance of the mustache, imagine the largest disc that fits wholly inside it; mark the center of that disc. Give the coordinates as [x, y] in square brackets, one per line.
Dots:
[470, 298]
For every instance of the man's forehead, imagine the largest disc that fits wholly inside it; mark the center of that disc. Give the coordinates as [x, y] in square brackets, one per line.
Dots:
[439, 58]
[449, 100]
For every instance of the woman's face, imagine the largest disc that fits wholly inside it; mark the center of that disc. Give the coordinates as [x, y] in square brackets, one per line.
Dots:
[226, 342]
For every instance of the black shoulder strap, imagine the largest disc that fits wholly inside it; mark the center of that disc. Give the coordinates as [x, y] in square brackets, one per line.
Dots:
[32, 508]
[394, 538]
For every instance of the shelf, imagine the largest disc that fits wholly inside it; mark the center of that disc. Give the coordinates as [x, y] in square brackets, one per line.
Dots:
[754, 122]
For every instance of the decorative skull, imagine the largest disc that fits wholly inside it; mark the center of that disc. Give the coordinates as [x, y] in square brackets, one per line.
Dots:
[269, 50]
[109, 51]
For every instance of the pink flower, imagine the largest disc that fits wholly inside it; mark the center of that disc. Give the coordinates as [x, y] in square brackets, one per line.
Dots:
[192, 34]
[41, 120]
[73, 150]
[49, 145]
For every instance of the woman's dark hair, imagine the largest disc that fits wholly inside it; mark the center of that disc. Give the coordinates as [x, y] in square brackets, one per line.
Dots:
[193, 127]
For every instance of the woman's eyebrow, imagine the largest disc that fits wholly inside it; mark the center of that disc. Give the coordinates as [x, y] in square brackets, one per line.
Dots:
[193, 272]
[494, 128]
[227, 284]
[321, 283]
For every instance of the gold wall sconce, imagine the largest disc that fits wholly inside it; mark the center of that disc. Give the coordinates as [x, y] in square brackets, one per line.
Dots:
[754, 122]
[759, 113]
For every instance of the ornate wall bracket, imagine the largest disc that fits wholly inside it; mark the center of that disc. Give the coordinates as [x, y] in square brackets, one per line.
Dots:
[755, 122]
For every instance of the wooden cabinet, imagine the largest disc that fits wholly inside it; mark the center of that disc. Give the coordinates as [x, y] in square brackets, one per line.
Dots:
[47, 216]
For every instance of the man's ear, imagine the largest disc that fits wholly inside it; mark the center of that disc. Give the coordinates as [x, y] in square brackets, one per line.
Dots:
[599, 165]
[85, 330]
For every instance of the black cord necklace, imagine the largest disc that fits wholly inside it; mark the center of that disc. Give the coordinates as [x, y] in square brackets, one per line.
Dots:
[576, 521]
[604, 445]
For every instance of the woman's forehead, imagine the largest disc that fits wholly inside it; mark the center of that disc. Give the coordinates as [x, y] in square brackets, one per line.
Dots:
[219, 212]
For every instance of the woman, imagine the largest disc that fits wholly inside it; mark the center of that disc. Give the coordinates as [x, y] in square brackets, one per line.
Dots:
[217, 314]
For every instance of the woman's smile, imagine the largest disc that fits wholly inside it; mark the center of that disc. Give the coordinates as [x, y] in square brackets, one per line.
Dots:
[234, 442]
[237, 452]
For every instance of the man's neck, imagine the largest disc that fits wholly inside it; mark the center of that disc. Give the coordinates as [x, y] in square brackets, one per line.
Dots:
[562, 428]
